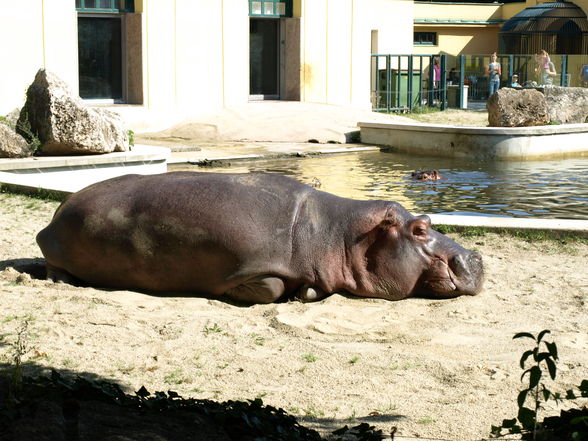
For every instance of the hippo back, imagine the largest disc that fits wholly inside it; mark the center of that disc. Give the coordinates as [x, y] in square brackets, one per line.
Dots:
[202, 231]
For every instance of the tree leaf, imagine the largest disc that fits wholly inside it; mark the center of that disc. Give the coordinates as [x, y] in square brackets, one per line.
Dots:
[552, 368]
[526, 355]
[524, 334]
[527, 418]
[507, 424]
[535, 377]
[542, 356]
[552, 348]
[542, 334]
[546, 394]
[521, 398]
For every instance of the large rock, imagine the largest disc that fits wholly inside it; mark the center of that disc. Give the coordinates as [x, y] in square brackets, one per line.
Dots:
[64, 125]
[12, 145]
[517, 108]
[567, 105]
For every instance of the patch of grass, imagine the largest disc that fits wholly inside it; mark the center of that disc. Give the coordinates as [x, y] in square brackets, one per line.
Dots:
[309, 358]
[354, 359]
[214, 329]
[38, 193]
[313, 412]
[564, 237]
[426, 420]
[405, 366]
[258, 339]
[174, 377]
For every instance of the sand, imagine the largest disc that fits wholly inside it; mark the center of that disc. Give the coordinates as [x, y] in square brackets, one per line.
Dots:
[443, 369]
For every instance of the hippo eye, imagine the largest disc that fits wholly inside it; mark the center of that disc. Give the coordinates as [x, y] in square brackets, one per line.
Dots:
[420, 227]
[388, 223]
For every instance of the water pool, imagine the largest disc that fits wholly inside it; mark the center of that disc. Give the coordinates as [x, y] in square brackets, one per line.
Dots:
[535, 189]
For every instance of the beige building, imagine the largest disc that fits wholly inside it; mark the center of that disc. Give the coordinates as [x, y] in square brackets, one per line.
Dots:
[465, 28]
[198, 55]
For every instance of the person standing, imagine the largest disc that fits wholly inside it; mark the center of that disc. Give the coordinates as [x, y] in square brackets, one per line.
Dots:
[493, 71]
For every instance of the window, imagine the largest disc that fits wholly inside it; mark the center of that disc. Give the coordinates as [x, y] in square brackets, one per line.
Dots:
[425, 38]
[105, 5]
[270, 8]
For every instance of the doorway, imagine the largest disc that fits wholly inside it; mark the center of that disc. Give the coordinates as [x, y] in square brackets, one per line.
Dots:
[100, 58]
[264, 59]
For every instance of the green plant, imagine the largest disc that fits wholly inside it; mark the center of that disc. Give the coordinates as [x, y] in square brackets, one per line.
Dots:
[131, 136]
[309, 358]
[544, 357]
[174, 377]
[20, 347]
[212, 329]
[24, 128]
[354, 359]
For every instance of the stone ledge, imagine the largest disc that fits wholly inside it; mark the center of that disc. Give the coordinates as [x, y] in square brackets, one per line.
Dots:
[497, 143]
[140, 153]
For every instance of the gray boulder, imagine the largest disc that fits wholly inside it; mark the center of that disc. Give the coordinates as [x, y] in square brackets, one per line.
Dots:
[517, 108]
[64, 125]
[567, 105]
[12, 145]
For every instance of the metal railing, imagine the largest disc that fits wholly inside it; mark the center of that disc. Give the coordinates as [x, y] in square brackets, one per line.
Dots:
[401, 82]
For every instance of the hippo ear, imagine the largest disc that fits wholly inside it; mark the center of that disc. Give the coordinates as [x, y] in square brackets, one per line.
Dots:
[419, 227]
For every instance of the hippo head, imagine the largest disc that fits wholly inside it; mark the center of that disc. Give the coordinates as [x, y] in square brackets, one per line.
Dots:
[411, 259]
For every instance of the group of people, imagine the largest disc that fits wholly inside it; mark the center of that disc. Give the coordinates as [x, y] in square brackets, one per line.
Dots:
[544, 70]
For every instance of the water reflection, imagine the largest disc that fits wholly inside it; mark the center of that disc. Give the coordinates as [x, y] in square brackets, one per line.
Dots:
[544, 189]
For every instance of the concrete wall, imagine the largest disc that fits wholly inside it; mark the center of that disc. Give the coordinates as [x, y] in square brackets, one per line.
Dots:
[35, 34]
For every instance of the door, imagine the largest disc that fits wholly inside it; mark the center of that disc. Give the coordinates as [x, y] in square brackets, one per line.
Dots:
[264, 74]
[100, 58]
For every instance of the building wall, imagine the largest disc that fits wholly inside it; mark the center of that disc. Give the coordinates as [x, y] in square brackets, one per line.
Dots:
[196, 54]
[336, 45]
[455, 40]
[35, 34]
[193, 55]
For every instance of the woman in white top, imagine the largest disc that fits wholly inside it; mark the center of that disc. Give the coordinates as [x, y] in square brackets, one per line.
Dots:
[493, 71]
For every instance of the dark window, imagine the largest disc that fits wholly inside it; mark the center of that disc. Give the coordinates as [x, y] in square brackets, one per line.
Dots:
[105, 5]
[270, 8]
[425, 38]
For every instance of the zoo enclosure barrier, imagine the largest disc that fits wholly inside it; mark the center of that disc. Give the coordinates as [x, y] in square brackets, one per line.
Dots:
[403, 82]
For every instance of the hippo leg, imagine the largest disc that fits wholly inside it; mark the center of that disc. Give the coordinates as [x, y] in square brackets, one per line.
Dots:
[60, 276]
[310, 294]
[262, 289]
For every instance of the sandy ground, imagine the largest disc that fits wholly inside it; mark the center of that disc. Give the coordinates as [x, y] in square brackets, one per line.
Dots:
[441, 369]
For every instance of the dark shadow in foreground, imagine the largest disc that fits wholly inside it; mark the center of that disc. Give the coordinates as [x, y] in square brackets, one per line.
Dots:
[75, 406]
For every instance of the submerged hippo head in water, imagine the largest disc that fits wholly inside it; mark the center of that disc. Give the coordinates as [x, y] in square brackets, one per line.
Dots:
[255, 238]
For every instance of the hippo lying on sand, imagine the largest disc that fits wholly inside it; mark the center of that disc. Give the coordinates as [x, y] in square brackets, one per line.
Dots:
[254, 238]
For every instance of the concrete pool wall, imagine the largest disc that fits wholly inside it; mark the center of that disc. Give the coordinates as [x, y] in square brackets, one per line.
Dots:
[72, 173]
[502, 143]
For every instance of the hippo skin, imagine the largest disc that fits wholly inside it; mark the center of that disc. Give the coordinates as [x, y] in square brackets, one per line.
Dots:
[254, 238]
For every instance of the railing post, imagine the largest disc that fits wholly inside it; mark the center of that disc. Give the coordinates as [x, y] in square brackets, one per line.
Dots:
[461, 79]
[443, 82]
[388, 84]
[409, 83]
[564, 71]
[431, 91]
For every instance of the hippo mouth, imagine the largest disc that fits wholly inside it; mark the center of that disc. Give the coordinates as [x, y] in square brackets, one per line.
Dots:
[462, 274]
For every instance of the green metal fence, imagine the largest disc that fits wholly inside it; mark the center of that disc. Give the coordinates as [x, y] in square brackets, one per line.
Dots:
[403, 82]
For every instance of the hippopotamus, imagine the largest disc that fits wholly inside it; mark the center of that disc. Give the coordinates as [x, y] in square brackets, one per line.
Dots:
[426, 175]
[251, 237]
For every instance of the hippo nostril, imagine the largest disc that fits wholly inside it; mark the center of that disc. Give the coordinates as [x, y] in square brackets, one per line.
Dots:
[457, 264]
